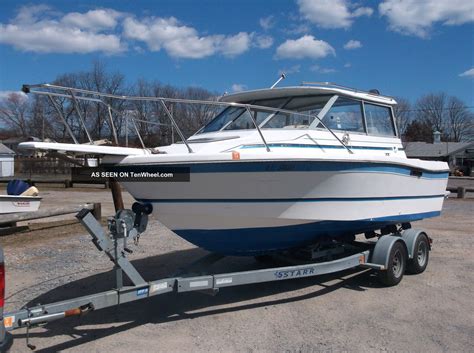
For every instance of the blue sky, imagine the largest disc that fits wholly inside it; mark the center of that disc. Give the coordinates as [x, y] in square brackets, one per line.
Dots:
[402, 47]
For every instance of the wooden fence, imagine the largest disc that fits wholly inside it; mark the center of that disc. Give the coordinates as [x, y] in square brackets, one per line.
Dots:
[41, 166]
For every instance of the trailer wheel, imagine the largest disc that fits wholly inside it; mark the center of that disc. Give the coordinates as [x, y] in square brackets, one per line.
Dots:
[397, 262]
[421, 254]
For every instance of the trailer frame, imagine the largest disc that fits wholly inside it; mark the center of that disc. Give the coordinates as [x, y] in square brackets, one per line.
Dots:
[130, 224]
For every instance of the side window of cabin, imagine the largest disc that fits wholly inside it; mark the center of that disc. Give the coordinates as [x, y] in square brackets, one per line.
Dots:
[346, 115]
[285, 121]
[379, 120]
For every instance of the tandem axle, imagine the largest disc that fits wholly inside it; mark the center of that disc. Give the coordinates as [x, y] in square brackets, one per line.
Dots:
[391, 255]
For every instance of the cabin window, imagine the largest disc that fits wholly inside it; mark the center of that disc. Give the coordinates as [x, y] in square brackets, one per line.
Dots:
[284, 120]
[346, 115]
[379, 120]
[307, 105]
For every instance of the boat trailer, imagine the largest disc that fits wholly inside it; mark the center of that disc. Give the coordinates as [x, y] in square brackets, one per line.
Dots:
[391, 254]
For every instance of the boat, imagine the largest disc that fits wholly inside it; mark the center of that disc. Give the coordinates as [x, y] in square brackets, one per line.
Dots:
[21, 197]
[18, 203]
[278, 169]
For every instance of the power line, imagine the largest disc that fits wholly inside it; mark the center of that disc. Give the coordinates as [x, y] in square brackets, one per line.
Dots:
[433, 110]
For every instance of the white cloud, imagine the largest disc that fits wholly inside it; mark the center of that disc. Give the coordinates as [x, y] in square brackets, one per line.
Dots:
[28, 14]
[267, 22]
[347, 65]
[94, 19]
[263, 41]
[39, 29]
[291, 70]
[322, 70]
[4, 95]
[331, 13]
[297, 28]
[353, 44]
[362, 11]
[50, 34]
[238, 87]
[182, 41]
[413, 17]
[304, 47]
[233, 45]
[467, 73]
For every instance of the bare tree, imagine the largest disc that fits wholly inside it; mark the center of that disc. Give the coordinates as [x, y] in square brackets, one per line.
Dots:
[99, 79]
[403, 115]
[39, 123]
[144, 112]
[430, 110]
[460, 120]
[197, 115]
[95, 115]
[448, 115]
[418, 131]
[14, 111]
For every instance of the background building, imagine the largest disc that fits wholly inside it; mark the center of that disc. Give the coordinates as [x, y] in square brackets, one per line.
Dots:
[459, 155]
[7, 161]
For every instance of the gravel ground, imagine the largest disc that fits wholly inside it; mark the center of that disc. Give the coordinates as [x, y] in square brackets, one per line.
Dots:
[344, 312]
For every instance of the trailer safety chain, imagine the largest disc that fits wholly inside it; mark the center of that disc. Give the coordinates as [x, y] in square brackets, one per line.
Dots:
[136, 240]
[28, 344]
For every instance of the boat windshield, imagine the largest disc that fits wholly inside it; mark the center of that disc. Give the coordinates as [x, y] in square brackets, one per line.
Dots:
[238, 118]
[345, 114]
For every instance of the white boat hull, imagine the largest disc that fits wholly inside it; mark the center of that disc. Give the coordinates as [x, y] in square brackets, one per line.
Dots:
[227, 207]
[15, 204]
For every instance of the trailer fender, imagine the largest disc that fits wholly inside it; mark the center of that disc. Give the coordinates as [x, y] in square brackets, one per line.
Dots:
[410, 236]
[381, 252]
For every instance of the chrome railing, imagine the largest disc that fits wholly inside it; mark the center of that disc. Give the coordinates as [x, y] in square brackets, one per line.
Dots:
[77, 94]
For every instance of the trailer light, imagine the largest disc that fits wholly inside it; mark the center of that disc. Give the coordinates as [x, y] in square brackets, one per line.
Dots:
[8, 321]
[235, 155]
[2, 284]
[72, 312]
[361, 259]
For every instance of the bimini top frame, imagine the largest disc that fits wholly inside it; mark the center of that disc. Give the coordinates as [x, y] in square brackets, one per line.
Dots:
[76, 94]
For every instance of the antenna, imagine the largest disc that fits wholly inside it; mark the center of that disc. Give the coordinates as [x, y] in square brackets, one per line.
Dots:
[282, 77]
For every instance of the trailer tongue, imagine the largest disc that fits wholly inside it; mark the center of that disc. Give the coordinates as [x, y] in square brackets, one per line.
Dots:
[390, 255]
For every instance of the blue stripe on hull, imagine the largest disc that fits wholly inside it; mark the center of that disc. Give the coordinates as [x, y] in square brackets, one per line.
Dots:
[242, 166]
[254, 241]
[292, 200]
[303, 145]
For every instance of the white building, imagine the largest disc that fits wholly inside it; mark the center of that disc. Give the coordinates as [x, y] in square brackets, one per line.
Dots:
[7, 162]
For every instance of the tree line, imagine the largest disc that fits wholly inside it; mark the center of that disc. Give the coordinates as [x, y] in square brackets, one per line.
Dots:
[434, 112]
[37, 115]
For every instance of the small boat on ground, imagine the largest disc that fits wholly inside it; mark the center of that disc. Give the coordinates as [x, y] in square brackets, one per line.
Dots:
[15, 203]
[21, 198]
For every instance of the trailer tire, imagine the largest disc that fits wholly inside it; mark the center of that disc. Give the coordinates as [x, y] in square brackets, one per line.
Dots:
[397, 261]
[421, 255]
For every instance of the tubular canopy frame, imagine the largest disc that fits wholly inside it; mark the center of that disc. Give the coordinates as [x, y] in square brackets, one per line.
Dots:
[77, 94]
